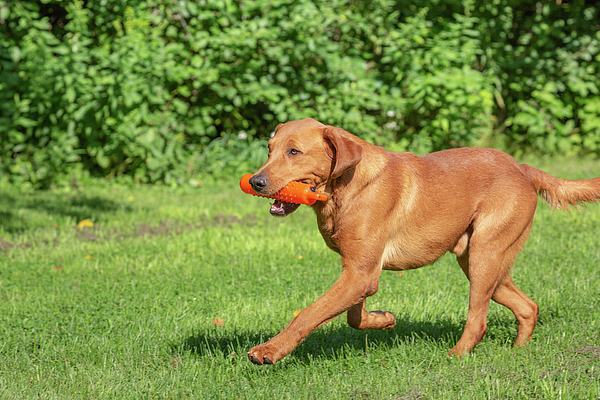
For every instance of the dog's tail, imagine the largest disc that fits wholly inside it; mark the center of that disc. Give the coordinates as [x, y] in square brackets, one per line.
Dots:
[562, 193]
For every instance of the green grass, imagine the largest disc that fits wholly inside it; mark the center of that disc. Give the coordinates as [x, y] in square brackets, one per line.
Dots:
[125, 309]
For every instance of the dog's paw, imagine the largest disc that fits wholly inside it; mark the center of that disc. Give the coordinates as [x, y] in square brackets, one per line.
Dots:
[459, 350]
[384, 319]
[262, 354]
[378, 320]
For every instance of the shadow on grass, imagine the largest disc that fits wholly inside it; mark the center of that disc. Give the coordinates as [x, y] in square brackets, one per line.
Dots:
[341, 341]
[329, 342]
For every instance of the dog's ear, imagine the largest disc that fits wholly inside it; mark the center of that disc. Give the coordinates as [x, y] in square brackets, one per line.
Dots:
[276, 129]
[344, 151]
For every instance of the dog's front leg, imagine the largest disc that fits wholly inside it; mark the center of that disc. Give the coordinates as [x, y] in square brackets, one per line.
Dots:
[351, 288]
[359, 318]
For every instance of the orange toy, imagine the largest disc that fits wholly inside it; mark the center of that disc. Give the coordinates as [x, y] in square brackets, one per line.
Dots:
[293, 192]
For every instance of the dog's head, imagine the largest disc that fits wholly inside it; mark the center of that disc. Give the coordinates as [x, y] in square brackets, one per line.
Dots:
[305, 151]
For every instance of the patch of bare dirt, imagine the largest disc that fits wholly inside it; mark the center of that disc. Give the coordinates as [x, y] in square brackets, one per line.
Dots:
[411, 396]
[5, 246]
[142, 230]
[593, 350]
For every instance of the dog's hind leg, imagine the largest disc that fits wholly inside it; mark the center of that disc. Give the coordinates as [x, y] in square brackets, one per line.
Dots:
[505, 293]
[481, 290]
[486, 262]
[359, 318]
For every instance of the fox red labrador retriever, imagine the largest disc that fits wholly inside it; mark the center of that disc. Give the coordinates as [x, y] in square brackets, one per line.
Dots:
[398, 211]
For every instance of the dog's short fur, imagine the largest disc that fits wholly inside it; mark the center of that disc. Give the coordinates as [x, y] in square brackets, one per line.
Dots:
[397, 211]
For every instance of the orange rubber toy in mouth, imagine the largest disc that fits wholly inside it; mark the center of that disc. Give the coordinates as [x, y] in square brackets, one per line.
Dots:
[293, 192]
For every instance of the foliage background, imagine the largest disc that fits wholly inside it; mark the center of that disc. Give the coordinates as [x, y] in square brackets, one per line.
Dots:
[180, 91]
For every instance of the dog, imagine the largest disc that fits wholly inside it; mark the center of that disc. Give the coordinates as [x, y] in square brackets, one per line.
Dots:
[398, 211]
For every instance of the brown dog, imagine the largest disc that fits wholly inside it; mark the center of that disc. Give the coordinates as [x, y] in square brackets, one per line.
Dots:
[397, 211]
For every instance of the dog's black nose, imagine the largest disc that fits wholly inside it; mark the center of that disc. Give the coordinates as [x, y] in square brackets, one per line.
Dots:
[258, 182]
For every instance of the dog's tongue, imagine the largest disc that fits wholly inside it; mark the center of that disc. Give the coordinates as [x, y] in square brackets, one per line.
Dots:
[282, 208]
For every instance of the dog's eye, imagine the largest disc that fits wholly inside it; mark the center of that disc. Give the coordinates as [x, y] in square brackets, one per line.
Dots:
[294, 152]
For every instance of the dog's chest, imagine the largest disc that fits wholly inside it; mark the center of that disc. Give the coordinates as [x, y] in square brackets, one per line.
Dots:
[326, 227]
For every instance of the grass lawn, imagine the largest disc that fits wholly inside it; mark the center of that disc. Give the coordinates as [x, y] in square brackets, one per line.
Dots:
[166, 293]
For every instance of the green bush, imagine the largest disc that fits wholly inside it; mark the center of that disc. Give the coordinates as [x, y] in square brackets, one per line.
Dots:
[547, 55]
[177, 91]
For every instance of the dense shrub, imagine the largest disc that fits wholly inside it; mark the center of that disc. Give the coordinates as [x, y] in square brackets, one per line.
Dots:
[170, 91]
[547, 56]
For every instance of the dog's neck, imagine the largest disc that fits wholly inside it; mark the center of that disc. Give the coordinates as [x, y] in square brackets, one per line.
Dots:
[341, 193]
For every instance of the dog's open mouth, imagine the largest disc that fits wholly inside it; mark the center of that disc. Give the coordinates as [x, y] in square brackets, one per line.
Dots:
[282, 208]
